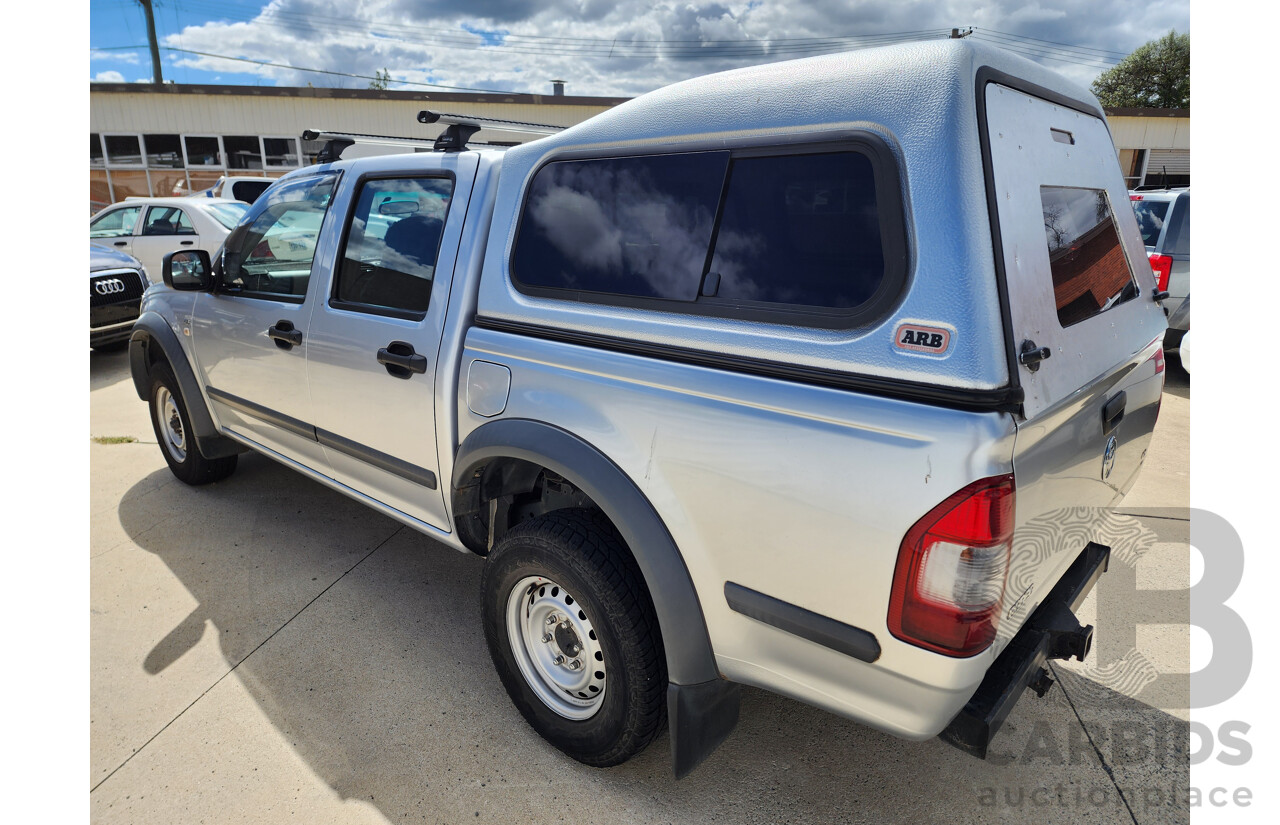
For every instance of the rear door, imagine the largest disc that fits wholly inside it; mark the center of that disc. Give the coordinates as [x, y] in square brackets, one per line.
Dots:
[375, 335]
[1080, 288]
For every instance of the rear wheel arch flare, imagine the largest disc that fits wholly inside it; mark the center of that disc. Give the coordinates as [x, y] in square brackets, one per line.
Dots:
[690, 659]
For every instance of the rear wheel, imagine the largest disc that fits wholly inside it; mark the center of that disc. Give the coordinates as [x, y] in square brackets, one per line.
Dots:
[172, 425]
[574, 637]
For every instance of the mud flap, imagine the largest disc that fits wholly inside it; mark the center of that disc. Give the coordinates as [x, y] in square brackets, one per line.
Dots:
[700, 718]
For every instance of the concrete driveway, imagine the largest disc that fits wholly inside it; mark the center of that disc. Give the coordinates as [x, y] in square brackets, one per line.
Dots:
[266, 650]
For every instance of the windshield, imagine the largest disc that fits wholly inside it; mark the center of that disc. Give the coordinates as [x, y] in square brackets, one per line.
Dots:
[1150, 219]
[227, 214]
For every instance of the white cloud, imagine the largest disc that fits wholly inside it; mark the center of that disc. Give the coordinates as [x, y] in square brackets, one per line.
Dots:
[632, 46]
[119, 57]
[108, 77]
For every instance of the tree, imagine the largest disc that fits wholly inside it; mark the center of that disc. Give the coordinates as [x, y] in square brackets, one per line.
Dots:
[1157, 75]
[383, 78]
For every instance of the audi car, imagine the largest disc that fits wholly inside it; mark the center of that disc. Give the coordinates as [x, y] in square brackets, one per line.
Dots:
[116, 283]
[148, 228]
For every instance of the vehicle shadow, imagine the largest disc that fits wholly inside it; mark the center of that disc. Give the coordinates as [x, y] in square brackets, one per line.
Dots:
[107, 367]
[384, 686]
[1176, 380]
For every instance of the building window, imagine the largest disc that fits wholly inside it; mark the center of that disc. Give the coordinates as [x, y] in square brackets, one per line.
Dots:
[96, 160]
[203, 150]
[280, 152]
[123, 150]
[243, 152]
[163, 151]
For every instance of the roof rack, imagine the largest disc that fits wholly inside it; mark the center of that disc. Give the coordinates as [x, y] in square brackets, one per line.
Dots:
[336, 142]
[460, 129]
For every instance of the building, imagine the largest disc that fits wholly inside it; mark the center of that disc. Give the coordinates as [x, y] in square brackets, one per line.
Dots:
[1154, 145]
[175, 139]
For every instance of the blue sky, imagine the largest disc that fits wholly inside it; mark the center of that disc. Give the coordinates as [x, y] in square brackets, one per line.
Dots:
[602, 47]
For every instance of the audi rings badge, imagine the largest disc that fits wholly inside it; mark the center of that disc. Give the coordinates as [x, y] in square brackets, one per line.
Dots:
[108, 286]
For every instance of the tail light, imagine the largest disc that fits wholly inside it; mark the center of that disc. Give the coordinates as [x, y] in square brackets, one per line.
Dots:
[1162, 266]
[1135, 197]
[1158, 359]
[948, 587]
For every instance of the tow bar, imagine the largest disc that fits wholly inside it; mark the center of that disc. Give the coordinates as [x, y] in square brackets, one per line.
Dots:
[1052, 632]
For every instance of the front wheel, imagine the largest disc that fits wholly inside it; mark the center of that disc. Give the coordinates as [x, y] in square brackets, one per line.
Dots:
[573, 635]
[172, 425]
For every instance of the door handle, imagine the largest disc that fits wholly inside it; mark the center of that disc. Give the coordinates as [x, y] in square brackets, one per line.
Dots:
[187, 243]
[285, 336]
[1113, 412]
[401, 361]
[1030, 355]
[122, 243]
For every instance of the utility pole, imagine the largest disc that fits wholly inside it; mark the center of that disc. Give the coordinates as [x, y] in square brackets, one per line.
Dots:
[957, 34]
[155, 47]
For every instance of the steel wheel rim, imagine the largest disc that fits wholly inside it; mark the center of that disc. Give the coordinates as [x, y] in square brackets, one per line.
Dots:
[175, 438]
[538, 608]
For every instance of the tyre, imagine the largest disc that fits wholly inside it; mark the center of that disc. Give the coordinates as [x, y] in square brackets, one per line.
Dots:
[574, 636]
[172, 425]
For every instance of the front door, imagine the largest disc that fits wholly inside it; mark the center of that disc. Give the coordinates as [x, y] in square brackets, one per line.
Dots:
[249, 334]
[375, 338]
[164, 229]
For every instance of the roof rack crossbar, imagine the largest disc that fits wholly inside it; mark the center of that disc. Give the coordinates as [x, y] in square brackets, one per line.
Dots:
[459, 129]
[491, 123]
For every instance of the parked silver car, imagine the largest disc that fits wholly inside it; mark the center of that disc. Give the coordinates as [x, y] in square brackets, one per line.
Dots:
[1164, 219]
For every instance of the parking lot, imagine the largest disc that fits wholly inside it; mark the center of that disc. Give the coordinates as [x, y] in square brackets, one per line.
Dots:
[267, 650]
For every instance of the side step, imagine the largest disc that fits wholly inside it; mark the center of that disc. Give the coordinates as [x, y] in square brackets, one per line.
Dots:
[1052, 632]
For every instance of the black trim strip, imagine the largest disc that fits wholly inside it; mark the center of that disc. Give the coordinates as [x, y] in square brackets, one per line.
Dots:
[382, 461]
[284, 422]
[843, 638]
[387, 463]
[1004, 399]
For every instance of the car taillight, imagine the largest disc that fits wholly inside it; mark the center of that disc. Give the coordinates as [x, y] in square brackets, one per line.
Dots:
[1158, 359]
[1135, 197]
[948, 587]
[1161, 265]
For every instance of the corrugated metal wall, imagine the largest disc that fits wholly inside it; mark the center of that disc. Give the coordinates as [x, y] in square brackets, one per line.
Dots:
[279, 115]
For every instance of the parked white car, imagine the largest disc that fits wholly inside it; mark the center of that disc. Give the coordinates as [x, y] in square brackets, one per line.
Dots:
[246, 189]
[147, 228]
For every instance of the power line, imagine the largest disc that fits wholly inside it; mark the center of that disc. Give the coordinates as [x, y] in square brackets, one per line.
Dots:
[301, 69]
[1056, 43]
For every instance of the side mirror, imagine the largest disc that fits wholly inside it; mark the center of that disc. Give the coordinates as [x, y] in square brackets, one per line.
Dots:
[188, 270]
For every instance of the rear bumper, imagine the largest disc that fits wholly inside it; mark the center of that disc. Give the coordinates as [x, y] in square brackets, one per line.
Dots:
[1052, 632]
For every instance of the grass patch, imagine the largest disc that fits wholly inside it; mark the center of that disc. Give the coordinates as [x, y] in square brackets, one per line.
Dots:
[114, 439]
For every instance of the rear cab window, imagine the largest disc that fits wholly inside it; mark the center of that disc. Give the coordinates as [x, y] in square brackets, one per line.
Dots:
[811, 236]
[388, 262]
[1089, 269]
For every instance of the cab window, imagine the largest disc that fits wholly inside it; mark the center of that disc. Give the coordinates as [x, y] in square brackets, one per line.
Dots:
[118, 223]
[270, 254]
[390, 256]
